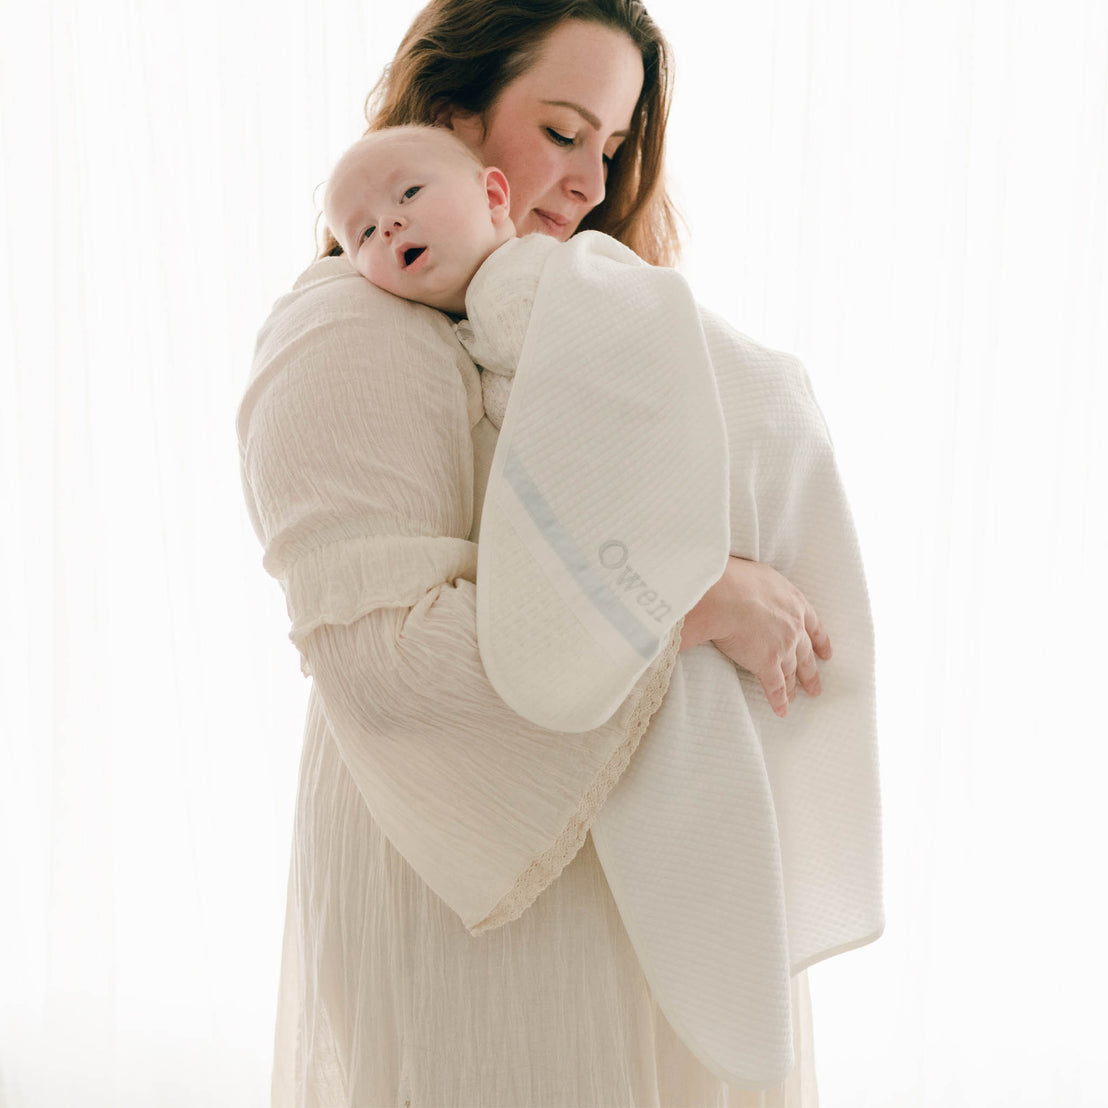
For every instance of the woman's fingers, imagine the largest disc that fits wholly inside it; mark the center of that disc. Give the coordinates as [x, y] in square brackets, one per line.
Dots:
[790, 684]
[807, 673]
[780, 684]
[776, 692]
[768, 628]
[820, 642]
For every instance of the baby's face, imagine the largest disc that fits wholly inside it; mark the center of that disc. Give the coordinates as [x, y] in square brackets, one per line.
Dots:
[416, 215]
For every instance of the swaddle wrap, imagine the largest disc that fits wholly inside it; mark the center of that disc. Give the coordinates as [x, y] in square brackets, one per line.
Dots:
[605, 576]
[740, 848]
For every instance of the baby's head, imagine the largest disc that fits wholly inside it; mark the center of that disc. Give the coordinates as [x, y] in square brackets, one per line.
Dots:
[417, 213]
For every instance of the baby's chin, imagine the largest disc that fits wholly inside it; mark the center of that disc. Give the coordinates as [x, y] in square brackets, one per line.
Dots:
[452, 302]
[455, 305]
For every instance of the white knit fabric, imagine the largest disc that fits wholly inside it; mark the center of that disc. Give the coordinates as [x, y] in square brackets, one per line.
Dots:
[580, 581]
[451, 938]
[740, 847]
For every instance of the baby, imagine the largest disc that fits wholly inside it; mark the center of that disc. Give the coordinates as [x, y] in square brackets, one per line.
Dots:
[417, 213]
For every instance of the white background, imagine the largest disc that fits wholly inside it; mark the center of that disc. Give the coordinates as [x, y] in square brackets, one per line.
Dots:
[912, 195]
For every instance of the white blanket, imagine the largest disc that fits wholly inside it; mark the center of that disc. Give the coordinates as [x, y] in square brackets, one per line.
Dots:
[642, 442]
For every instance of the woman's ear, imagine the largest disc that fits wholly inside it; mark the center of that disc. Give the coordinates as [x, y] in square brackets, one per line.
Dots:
[496, 188]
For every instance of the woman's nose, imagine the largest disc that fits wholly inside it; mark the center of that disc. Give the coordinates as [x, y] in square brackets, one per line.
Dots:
[587, 182]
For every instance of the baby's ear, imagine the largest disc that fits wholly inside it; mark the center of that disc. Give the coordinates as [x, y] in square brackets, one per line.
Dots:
[496, 188]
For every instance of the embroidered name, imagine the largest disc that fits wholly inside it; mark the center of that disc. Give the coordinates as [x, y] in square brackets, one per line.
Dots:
[613, 557]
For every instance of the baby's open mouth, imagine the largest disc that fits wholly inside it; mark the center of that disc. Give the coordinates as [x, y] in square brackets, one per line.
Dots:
[412, 253]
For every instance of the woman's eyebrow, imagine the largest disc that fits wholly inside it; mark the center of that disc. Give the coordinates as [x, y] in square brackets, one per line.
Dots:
[584, 113]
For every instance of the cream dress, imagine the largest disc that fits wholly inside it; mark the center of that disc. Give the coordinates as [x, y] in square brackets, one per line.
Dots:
[450, 938]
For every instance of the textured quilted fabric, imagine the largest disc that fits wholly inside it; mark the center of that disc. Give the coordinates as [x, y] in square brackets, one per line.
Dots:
[740, 847]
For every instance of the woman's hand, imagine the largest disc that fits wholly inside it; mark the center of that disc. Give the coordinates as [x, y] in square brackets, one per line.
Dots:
[764, 624]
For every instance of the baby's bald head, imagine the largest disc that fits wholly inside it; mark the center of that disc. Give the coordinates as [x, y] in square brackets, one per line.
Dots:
[372, 150]
[417, 212]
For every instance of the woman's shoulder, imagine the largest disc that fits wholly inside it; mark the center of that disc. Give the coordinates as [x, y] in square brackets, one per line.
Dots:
[330, 295]
[721, 332]
[333, 323]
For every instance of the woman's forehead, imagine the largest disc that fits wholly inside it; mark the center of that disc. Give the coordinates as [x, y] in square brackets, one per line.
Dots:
[586, 67]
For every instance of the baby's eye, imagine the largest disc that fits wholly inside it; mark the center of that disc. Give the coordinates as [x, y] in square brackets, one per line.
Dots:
[368, 231]
[409, 193]
[558, 138]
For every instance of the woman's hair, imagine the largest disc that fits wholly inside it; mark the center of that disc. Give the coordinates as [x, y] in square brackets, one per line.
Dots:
[463, 53]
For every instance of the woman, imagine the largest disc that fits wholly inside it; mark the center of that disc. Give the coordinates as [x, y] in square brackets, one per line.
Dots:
[450, 937]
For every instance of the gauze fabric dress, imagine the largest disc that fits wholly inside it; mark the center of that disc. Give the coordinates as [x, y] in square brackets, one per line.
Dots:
[450, 938]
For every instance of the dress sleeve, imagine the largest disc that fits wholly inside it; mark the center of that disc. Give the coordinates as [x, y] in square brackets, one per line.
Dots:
[357, 467]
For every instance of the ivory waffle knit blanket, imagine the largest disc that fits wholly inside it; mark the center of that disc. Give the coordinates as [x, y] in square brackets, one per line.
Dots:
[642, 442]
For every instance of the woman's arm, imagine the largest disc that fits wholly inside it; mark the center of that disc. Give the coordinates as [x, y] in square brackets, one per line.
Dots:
[753, 614]
[764, 624]
[357, 463]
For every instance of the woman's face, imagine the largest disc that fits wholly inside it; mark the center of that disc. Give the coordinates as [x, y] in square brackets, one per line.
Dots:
[553, 129]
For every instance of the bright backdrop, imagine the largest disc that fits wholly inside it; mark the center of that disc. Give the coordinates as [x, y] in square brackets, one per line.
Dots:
[912, 195]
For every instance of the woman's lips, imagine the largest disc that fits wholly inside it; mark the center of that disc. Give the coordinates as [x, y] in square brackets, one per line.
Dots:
[556, 224]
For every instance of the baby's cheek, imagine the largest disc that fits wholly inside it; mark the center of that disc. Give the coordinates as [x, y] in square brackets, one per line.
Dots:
[368, 272]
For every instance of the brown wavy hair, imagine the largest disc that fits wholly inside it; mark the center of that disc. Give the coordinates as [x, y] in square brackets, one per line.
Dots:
[463, 53]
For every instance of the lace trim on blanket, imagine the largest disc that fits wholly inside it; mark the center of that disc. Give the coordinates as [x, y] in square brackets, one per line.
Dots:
[544, 869]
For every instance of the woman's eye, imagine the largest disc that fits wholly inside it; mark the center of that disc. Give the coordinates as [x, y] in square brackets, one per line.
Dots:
[409, 193]
[559, 138]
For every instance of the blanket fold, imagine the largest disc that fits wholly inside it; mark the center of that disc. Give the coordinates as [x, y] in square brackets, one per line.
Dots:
[643, 441]
[579, 584]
